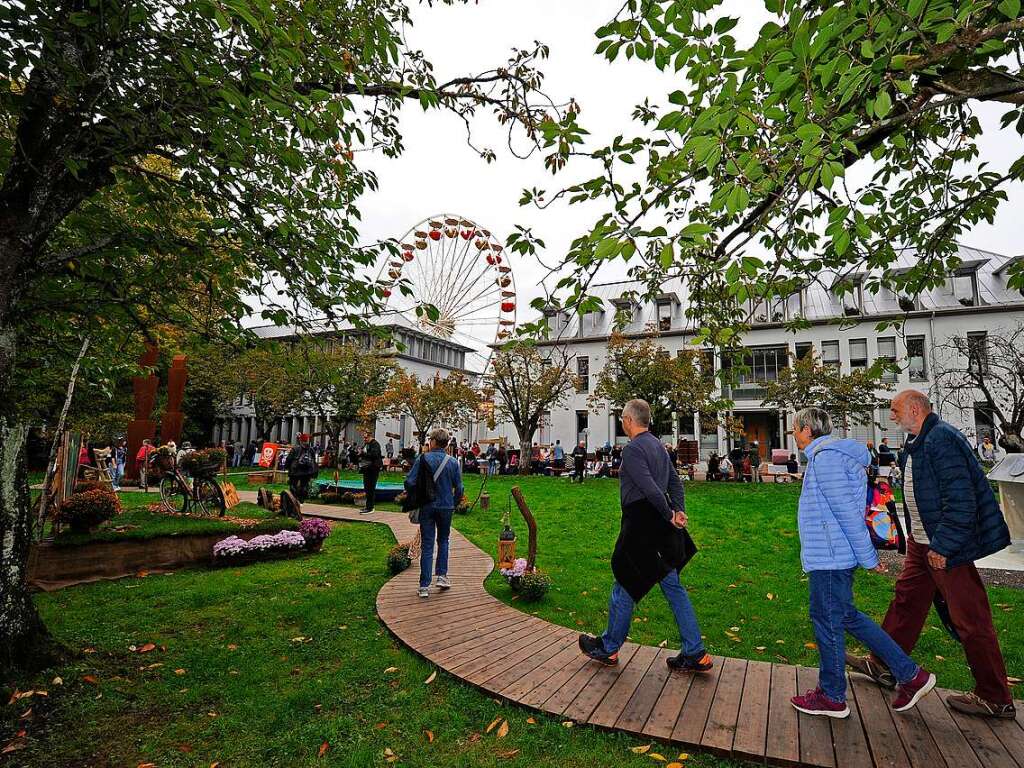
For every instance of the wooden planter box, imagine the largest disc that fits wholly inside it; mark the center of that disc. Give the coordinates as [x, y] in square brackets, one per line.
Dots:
[261, 478]
[51, 567]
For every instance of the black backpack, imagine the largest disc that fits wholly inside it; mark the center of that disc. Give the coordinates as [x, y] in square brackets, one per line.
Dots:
[305, 464]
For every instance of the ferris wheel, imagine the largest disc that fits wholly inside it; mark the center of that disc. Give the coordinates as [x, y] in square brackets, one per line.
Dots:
[452, 264]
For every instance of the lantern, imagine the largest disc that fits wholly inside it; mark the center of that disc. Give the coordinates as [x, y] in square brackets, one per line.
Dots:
[508, 306]
[451, 232]
[468, 234]
[435, 234]
[507, 545]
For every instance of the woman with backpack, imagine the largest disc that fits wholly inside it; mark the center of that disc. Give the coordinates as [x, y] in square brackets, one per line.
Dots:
[436, 482]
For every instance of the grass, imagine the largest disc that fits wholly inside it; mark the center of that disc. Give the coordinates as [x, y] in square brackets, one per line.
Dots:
[138, 522]
[277, 659]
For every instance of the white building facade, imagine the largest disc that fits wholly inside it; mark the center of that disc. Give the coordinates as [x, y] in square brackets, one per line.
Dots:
[421, 354]
[975, 301]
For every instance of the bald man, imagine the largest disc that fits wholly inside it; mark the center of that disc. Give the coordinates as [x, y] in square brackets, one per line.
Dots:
[952, 519]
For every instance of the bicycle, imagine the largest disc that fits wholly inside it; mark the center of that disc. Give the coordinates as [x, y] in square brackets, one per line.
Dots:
[204, 493]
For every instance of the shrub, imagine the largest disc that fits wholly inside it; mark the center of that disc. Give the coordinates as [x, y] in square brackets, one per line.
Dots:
[398, 558]
[314, 529]
[330, 497]
[89, 485]
[84, 511]
[534, 585]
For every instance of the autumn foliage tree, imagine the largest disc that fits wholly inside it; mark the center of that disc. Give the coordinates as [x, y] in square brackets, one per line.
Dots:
[441, 401]
[849, 398]
[337, 380]
[527, 383]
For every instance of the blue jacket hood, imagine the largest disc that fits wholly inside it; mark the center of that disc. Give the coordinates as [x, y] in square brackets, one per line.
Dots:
[852, 448]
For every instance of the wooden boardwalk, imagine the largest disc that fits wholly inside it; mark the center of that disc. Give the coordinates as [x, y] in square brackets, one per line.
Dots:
[740, 709]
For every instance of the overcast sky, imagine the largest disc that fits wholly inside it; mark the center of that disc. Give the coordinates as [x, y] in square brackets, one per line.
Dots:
[439, 173]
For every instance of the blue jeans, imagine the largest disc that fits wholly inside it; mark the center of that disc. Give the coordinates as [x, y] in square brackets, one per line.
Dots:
[492, 466]
[620, 614]
[833, 614]
[434, 523]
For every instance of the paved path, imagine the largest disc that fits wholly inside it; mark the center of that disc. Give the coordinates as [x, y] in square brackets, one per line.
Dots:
[741, 709]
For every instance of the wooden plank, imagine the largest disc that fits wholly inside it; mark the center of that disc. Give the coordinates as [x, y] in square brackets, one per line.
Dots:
[666, 710]
[640, 704]
[437, 643]
[546, 689]
[588, 699]
[720, 729]
[947, 736]
[815, 731]
[517, 690]
[1011, 734]
[514, 662]
[782, 744]
[481, 657]
[621, 692]
[693, 716]
[851, 743]
[886, 745]
[921, 748]
[985, 744]
[752, 719]
[592, 672]
[498, 682]
[474, 648]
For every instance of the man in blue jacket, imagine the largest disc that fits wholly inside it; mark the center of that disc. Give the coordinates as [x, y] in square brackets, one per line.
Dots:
[436, 517]
[952, 518]
[834, 541]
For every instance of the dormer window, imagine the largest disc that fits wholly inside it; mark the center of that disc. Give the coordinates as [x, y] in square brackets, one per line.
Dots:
[666, 304]
[963, 283]
[626, 308]
[849, 291]
[1005, 267]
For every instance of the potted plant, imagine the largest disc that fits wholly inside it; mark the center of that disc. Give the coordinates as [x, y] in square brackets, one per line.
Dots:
[203, 463]
[236, 551]
[83, 512]
[314, 531]
[398, 558]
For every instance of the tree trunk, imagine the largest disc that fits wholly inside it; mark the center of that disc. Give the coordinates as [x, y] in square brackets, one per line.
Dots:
[1010, 441]
[24, 641]
[524, 453]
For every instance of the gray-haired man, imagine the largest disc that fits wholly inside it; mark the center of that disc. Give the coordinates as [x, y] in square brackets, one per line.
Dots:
[653, 546]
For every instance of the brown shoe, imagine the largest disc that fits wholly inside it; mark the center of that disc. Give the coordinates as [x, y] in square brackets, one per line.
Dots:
[973, 704]
[869, 667]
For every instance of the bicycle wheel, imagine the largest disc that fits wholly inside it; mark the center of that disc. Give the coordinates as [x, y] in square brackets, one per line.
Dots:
[210, 497]
[173, 497]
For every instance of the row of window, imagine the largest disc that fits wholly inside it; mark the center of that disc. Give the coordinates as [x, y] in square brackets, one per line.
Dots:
[764, 364]
[431, 351]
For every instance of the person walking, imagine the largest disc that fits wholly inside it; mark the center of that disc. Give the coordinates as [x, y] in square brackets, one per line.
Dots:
[834, 542]
[652, 547]
[435, 517]
[492, 459]
[952, 519]
[579, 462]
[558, 455]
[371, 462]
[755, 462]
[142, 462]
[119, 458]
[302, 468]
[390, 449]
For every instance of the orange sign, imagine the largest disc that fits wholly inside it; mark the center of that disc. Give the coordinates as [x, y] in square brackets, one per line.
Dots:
[268, 454]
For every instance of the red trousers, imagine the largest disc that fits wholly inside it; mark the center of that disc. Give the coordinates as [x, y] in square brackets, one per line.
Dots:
[964, 593]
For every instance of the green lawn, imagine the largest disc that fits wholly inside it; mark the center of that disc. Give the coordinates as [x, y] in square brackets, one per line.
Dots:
[278, 658]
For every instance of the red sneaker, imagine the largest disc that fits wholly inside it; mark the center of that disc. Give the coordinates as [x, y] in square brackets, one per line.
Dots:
[909, 693]
[817, 703]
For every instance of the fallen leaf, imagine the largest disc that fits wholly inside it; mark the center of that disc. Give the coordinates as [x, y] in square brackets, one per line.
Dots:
[381, 726]
[214, 765]
[939, 658]
[780, 642]
[568, 723]
[323, 749]
[389, 670]
[89, 650]
[493, 725]
[474, 737]
[531, 721]
[760, 648]
[1013, 680]
[674, 765]
[232, 647]
[683, 756]
[179, 672]
[430, 736]
[770, 596]
[503, 730]
[510, 753]
[146, 765]
[186, 748]
[735, 629]
[663, 643]
[640, 750]
[430, 679]
[26, 715]
[811, 646]
[90, 679]
[14, 745]
[656, 756]
[57, 681]
[147, 648]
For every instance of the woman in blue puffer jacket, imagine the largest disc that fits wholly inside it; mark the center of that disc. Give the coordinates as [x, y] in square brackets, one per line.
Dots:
[834, 542]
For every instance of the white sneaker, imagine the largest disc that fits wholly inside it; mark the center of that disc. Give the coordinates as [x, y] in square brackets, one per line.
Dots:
[423, 592]
[443, 582]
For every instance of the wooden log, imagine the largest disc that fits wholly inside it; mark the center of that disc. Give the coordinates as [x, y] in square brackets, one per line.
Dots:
[531, 524]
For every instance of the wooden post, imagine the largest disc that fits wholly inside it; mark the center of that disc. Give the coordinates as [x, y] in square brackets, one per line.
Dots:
[531, 524]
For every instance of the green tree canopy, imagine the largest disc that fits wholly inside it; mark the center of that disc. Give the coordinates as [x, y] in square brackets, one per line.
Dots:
[759, 144]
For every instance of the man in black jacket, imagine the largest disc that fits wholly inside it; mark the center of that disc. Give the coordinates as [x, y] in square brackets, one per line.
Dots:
[370, 464]
[952, 519]
[579, 461]
[652, 547]
[301, 467]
